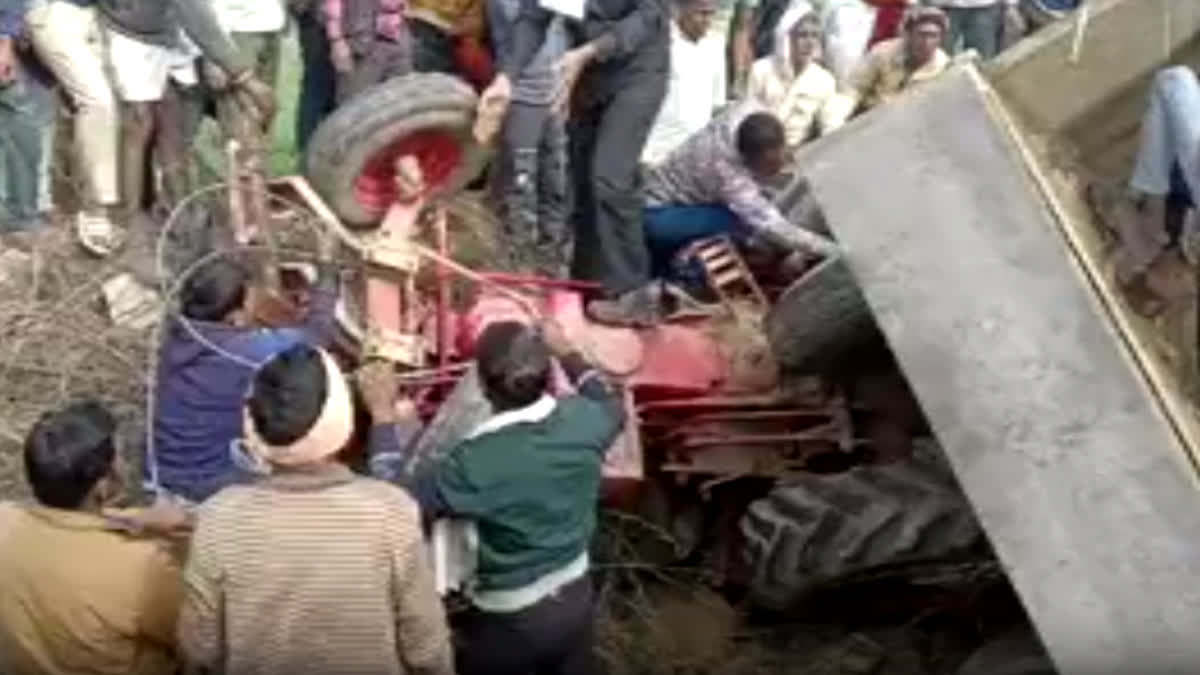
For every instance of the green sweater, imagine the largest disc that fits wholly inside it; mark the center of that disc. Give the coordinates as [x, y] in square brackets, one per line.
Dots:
[531, 489]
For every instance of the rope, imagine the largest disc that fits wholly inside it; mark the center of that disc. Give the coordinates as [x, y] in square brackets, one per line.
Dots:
[1082, 17]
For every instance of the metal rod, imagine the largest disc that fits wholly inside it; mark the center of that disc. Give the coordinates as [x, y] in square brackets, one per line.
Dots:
[443, 287]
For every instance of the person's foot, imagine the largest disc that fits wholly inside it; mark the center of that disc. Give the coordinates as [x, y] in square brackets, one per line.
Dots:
[1143, 299]
[97, 233]
[639, 308]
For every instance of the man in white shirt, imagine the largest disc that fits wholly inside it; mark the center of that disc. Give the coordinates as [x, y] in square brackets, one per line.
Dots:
[697, 82]
[792, 85]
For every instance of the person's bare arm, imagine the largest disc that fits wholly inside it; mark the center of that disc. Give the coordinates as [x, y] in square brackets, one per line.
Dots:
[745, 198]
[198, 21]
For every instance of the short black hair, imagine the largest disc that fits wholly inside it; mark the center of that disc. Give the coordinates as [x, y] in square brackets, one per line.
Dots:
[68, 451]
[288, 394]
[215, 290]
[758, 134]
[513, 363]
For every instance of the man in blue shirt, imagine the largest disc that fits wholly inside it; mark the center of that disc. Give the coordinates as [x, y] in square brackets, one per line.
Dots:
[210, 353]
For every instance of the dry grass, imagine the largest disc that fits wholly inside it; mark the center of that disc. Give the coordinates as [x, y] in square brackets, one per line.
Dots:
[57, 345]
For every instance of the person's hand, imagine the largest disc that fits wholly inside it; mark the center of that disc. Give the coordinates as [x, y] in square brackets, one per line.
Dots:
[568, 69]
[8, 62]
[795, 264]
[493, 105]
[261, 95]
[1015, 25]
[328, 243]
[555, 337]
[377, 382]
[341, 56]
[163, 519]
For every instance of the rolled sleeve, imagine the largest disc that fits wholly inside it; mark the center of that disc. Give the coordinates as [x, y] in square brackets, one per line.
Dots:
[743, 196]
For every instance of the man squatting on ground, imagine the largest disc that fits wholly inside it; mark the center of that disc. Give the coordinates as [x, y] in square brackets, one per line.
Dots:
[208, 357]
[527, 479]
[531, 181]
[621, 64]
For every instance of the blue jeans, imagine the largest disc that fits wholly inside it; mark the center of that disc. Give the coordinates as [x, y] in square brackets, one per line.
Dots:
[1168, 162]
[978, 28]
[1170, 133]
[27, 109]
[669, 229]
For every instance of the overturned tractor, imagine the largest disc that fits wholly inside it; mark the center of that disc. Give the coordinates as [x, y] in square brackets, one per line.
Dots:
[772, 438]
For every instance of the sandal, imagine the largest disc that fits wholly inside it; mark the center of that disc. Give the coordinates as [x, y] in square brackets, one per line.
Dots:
[97, 234]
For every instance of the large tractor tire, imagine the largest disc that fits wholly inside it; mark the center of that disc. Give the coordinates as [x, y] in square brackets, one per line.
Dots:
[824, 527]
[822, 317]
[351, 157]
[1018, 653]
[819, 320]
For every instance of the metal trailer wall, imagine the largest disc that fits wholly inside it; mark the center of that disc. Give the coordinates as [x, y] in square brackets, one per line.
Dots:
[1069, 458]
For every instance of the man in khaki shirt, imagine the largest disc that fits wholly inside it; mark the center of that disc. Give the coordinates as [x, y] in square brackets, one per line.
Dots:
[895, 65]
[77, 596]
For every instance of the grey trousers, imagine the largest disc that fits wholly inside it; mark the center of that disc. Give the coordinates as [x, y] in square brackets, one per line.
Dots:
[606, 139]
[1170, 137]
[531, 185]
[978, 28]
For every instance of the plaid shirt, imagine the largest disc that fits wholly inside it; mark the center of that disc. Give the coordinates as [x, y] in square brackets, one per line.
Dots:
[707, 169]
[389, 17]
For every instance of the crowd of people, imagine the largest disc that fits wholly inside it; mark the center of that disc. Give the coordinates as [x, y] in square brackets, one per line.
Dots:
[289, 527]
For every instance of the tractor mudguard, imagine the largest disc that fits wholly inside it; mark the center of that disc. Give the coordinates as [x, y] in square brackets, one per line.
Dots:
[351, 158]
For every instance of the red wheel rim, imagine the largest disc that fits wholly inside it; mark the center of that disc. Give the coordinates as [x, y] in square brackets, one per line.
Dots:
[439, 153]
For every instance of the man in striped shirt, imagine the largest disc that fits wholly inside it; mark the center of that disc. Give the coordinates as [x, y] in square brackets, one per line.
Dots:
[312, 569]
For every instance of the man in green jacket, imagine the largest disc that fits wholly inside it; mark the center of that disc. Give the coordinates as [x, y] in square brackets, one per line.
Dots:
[528, 479]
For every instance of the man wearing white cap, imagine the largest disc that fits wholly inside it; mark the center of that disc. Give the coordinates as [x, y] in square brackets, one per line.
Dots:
[312, 569]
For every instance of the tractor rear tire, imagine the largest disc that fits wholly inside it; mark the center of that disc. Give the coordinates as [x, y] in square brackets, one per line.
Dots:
[825, 527]
[369, 123]
[1018, 653]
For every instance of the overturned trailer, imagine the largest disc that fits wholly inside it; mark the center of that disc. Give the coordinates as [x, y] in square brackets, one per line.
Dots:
[1068, 420]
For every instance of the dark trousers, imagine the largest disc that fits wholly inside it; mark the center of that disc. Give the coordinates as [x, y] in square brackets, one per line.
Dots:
[553, 637]
[606, 141]
[381, 61]
[532, 186]
[433, 48]
[316, 80]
